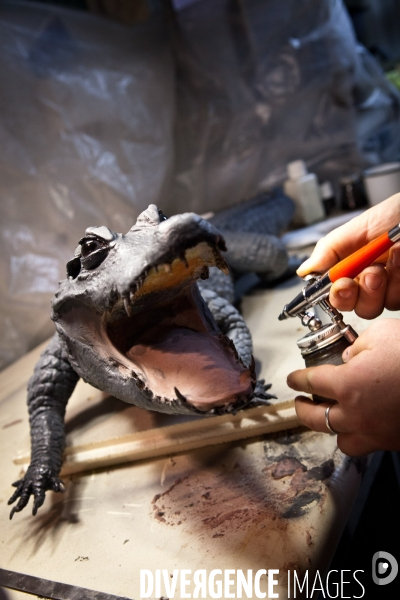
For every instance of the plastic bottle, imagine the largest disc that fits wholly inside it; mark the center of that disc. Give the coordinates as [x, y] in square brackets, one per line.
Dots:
[303, 188]
[328, 197]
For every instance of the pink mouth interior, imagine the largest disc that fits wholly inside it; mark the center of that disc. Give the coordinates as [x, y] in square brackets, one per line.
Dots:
[205, 373]
[176, 345]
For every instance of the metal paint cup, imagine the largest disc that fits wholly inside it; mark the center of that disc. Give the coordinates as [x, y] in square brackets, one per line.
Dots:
[323, 347]
[382, 181]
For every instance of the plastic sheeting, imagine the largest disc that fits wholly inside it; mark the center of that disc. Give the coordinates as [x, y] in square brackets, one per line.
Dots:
[86, 138]
[194, 112]
[261, 84]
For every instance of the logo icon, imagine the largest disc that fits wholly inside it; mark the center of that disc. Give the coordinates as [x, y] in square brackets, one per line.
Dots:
[384, 568]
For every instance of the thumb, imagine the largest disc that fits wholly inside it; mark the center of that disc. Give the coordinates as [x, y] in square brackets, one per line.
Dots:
[351, 351]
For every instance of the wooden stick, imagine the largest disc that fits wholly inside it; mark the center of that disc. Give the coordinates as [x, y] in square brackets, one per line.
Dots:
[179, 438]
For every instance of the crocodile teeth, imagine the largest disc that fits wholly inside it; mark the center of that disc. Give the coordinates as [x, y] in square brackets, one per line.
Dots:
[179, 395]
[183, 259]
[225, 269]
[132, 295]
[205, 273]
[167, 267]
[141, 280]
[127, 306]
[221, 263]
[148, 393]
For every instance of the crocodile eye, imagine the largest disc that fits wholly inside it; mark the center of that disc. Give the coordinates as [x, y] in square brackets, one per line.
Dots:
[90, 246]
[162, 216]
[93, 252]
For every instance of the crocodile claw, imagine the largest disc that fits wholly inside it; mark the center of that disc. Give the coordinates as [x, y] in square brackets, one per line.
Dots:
[261, 396]
[36, 482]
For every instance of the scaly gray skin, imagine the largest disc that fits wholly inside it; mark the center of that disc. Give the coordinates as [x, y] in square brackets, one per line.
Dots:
[250, 229]
[131, 321]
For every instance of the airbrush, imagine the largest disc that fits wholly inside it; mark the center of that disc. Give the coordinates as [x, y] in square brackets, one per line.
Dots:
[324, 344]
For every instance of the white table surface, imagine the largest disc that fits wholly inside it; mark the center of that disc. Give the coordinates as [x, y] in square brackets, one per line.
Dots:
[217, 508]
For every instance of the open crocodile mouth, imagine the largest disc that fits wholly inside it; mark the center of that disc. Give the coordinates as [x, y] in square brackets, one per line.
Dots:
[169, 340]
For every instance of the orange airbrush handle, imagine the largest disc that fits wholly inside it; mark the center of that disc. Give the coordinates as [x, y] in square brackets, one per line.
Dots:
[318, 288]
[357, 262]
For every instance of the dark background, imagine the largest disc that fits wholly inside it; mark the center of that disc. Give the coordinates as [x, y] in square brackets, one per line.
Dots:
[373, 526]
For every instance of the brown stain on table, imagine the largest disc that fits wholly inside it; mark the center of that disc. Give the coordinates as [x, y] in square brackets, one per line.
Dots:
[243, 498]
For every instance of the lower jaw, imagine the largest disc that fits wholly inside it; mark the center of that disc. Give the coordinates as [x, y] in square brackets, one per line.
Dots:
[193, 367]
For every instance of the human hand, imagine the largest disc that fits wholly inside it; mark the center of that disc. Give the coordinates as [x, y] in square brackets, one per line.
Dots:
[366, 388]
[378, 286]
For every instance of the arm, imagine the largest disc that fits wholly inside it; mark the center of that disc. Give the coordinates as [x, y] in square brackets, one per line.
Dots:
[49, 389]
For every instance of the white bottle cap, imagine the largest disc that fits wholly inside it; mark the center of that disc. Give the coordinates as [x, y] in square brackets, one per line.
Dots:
[326, 190]
[296, 169]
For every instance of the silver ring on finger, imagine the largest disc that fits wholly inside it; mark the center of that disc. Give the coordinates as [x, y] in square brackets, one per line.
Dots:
[327, 423]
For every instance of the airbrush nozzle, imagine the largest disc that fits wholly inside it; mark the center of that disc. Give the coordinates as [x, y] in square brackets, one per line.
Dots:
[309, 295]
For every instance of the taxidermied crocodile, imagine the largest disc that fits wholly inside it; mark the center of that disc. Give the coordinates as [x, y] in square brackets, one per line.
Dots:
[134, 319]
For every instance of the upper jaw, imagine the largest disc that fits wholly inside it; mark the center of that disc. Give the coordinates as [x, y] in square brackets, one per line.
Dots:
[169, 277]
[181, 250]
[138, 254]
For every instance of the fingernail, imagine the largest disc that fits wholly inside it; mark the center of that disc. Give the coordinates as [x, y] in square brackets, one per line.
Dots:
[396, 257]
[303, 268]
[345, 294]
[373, 281]
[346, 355]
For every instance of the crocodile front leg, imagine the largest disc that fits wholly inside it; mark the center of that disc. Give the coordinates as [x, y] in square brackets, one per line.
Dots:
[49, 389]
[231, 323]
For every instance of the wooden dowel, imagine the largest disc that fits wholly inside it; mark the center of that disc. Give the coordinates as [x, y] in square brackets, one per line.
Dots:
[173, 439]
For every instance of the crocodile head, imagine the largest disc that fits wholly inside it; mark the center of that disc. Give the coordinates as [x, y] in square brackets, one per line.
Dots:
[135, 325]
